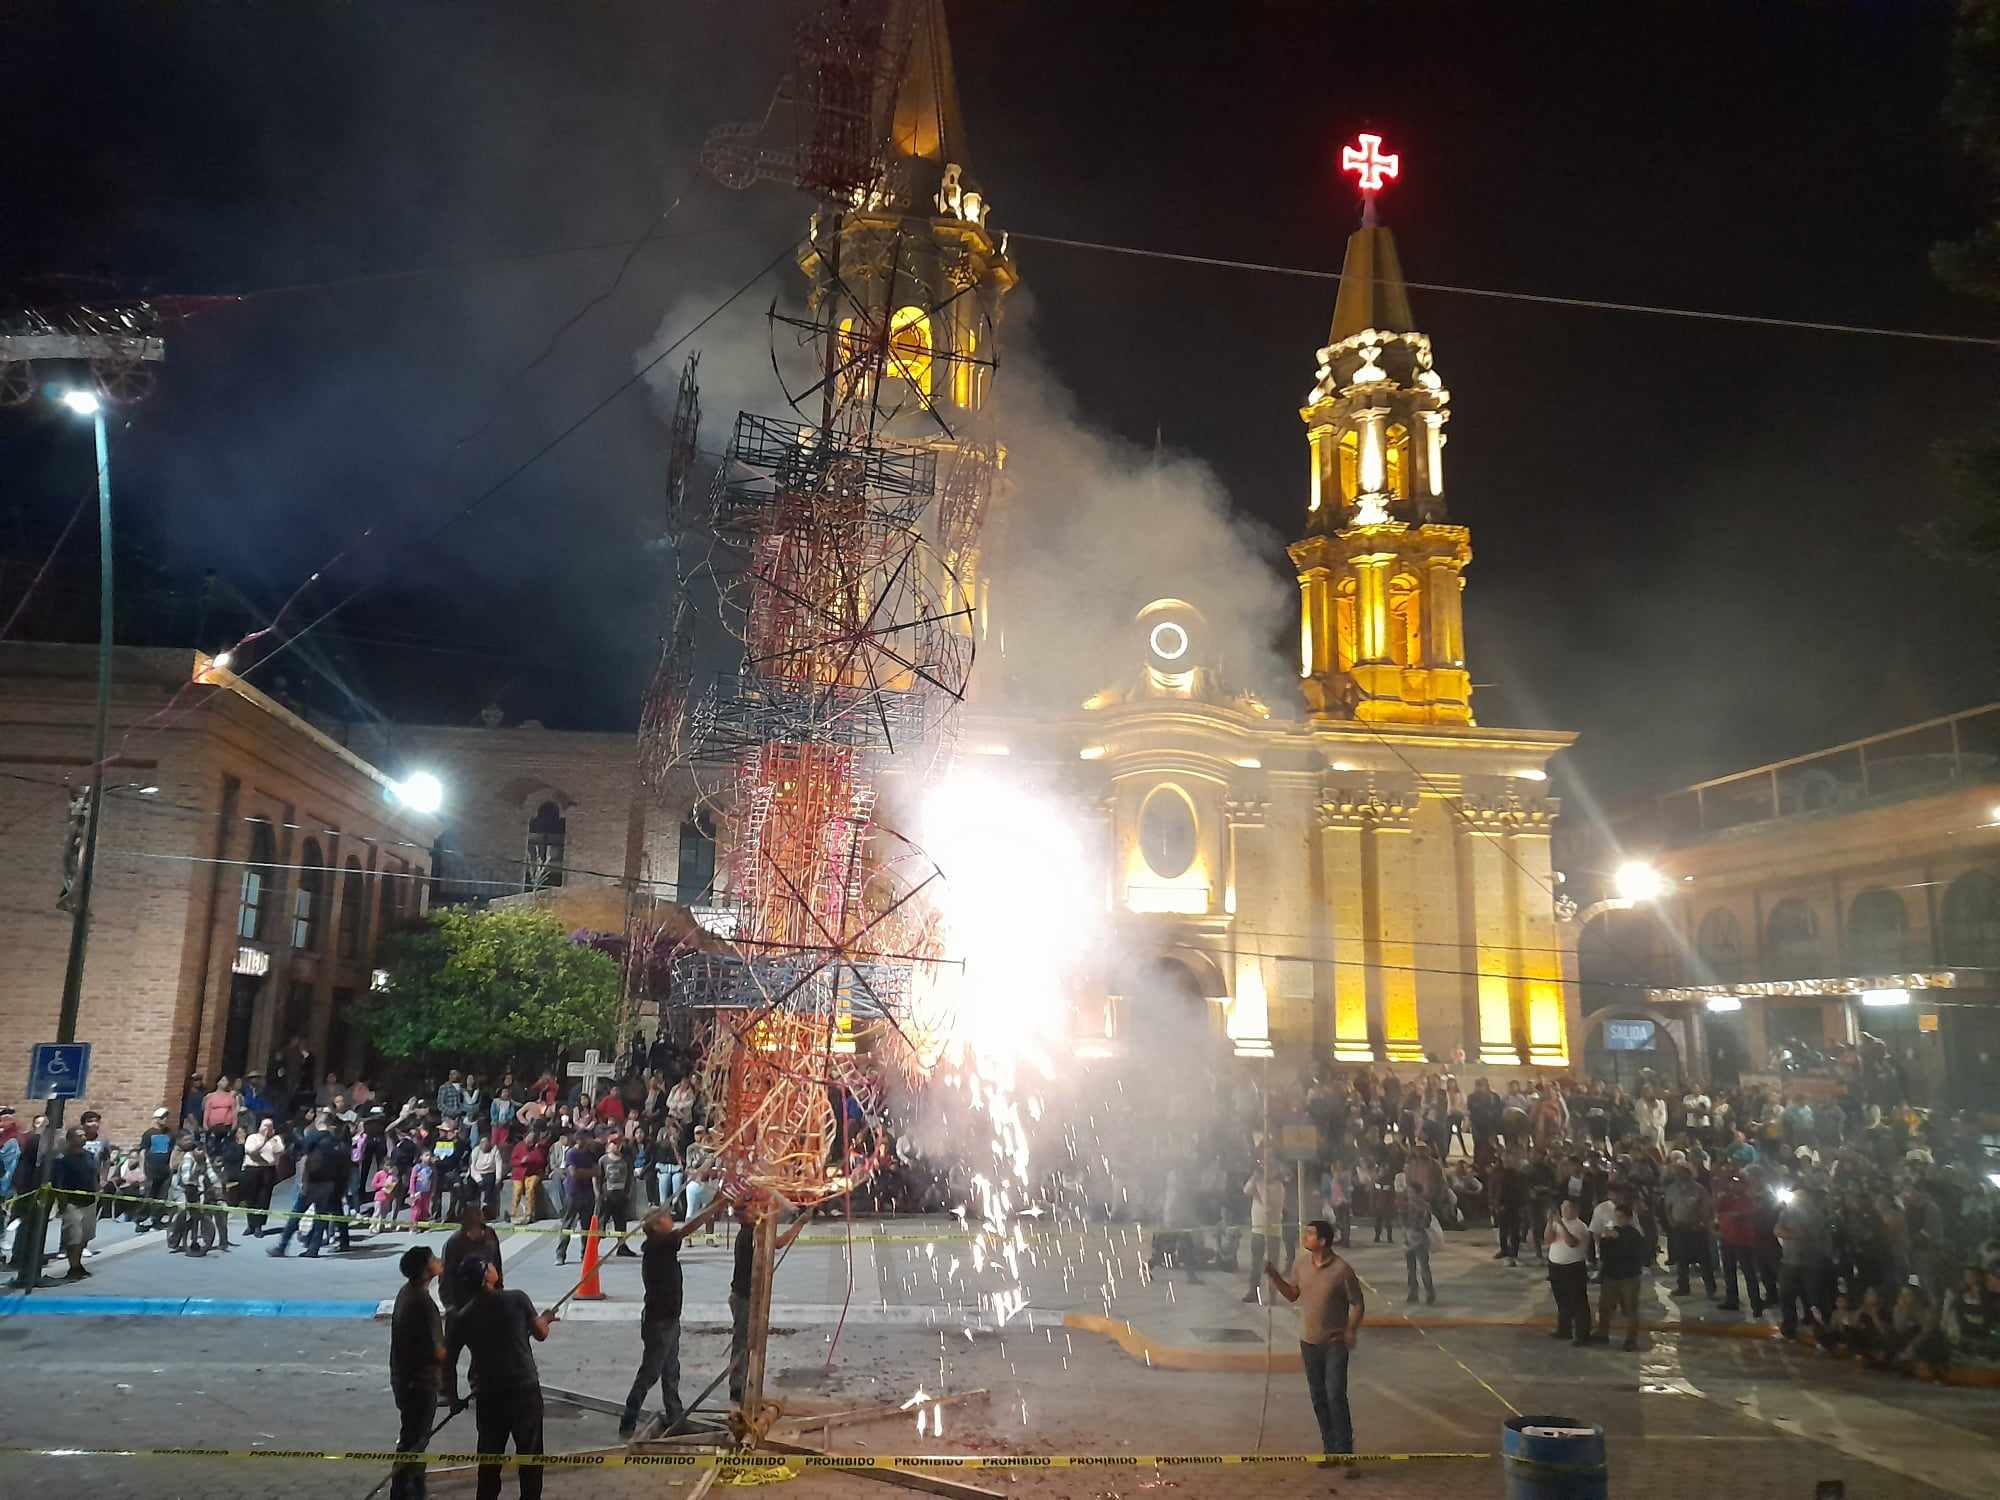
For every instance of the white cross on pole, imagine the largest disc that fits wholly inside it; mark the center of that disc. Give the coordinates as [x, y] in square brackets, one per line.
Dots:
[592, 1070]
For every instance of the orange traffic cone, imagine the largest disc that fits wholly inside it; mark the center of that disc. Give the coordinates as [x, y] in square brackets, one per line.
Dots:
[588, 1290]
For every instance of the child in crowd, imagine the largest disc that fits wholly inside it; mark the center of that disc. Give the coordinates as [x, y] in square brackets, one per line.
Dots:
[422, 1176]
[383, 1186]
[1847, 1334]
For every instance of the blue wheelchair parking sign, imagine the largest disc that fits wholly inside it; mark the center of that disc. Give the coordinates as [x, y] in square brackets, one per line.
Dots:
[58, 1070]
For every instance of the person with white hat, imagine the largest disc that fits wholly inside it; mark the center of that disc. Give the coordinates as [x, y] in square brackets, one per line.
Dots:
[158, 1146]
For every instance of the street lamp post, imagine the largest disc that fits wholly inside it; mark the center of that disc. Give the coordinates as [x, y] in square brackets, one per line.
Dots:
[34, 1233]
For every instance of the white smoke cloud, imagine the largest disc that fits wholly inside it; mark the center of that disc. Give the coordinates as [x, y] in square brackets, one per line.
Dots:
[1092, 528]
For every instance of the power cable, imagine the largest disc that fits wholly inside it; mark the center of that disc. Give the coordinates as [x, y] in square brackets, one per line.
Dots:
[1542, 299]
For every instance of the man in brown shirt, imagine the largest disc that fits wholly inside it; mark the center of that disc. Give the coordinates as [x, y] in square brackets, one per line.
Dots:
[1330, 1308]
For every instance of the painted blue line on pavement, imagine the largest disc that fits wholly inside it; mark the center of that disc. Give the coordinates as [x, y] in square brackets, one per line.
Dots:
[20, 1304]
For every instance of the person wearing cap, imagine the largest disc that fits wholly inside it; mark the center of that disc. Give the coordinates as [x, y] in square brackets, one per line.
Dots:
[416, 1365]
[496, 1326]
[158, 1145]
[660, 1318]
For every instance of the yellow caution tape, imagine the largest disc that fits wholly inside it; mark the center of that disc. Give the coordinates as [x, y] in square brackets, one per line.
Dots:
[760, 1461]
[501, 1225]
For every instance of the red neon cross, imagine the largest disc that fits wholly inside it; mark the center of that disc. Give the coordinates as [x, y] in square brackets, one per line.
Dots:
[1368, 162]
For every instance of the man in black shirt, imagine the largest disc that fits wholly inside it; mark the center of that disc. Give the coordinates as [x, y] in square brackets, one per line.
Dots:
[660, 1319]
[1621, 1253]
[507, 1390]
[739, 1291]
[416, 1360]
[474, 1239]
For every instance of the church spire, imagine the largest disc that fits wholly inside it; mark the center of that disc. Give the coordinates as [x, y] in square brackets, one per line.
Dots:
[919, 100]
[1382, 633]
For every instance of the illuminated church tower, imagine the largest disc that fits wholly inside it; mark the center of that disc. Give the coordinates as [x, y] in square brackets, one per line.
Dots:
[1381, 628]
[910, 257]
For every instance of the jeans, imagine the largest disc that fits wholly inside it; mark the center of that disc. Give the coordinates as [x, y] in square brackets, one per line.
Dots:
[156, 1189]
[577, 1212]
[1740, 1258]
[1691, 1248]
[1615, 1295]
[739, 1344]
[417, 1405]
[670, 1182]
[1511, 1215]
[1807, 1287]
[659, 1359]
[1416, 1257]
[501, 1415]
[1326, 1380]
[1571, 1286]
[301, 1201]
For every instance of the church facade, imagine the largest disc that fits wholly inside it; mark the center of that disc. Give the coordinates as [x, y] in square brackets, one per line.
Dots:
[1371, 883]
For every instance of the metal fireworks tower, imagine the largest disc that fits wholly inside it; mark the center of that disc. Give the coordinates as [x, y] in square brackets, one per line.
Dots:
[839, 548]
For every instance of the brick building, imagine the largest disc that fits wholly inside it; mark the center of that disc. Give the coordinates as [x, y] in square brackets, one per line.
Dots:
[247, 865]
[558, 816]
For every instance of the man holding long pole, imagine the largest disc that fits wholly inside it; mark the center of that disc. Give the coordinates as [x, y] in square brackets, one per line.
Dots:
[507, 1393]
[660, 1318]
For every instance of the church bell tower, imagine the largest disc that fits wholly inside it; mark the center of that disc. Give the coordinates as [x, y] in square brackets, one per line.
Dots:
[1381, 623]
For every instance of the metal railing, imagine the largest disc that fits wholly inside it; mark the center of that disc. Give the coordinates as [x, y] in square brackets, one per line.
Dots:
[1932, 756]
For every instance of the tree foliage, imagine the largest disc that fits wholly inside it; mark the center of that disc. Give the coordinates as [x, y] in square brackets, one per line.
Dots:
[487, 985]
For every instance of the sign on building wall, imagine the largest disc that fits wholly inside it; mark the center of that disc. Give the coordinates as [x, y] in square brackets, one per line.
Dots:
[1629, 1036]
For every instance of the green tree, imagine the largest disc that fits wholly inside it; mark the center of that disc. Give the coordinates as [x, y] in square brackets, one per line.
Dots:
[482, 986]
[1968, 530]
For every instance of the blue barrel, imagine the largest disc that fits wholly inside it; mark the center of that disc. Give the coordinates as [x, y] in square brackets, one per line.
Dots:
[1553, 1458]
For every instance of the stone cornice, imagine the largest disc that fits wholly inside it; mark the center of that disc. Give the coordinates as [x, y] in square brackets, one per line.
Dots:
[1367, 807]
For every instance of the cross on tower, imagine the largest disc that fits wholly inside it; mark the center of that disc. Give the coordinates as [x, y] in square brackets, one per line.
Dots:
[1368, 163]
[592, 1070]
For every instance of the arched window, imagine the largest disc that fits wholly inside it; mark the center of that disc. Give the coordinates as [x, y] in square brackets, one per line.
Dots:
[256, 895]
[546, 832]
[1344, 623]
[1878, 932]
[1972, 921]
[697, 859]
[1719, 942]
[910, 347]
[1406, 622]
[1792, 941]
[306, 904]
[1167, 832]
[1350, 465]
[353, 895]
[1396, 461]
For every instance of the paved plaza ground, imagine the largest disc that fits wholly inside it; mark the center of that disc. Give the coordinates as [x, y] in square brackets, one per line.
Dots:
[244, 1351]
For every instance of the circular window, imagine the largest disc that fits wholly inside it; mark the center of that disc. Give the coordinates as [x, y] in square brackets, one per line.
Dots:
[1166, 832]
[1170, 641]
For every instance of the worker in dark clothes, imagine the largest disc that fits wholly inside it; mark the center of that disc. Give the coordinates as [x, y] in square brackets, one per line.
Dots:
[507, 1390]
[660, 1319]
[739, 1292]
[474, 1239]
[416, 1365]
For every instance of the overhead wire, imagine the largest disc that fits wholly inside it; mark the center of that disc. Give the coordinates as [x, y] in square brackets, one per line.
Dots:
[1538, 298]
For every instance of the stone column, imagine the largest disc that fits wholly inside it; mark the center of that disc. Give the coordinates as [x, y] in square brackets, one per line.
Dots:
[1434, 452]
[1494, 913]
[1371, 608]
[1340, 830]
[1548, 1002]
[1392, 897]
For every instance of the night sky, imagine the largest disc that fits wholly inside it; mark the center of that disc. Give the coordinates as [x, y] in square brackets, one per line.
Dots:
[1688, 537]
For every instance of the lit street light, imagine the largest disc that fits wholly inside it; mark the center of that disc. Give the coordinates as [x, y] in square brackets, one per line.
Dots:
[420, 792]
[32, 1241]
[1637, 881]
